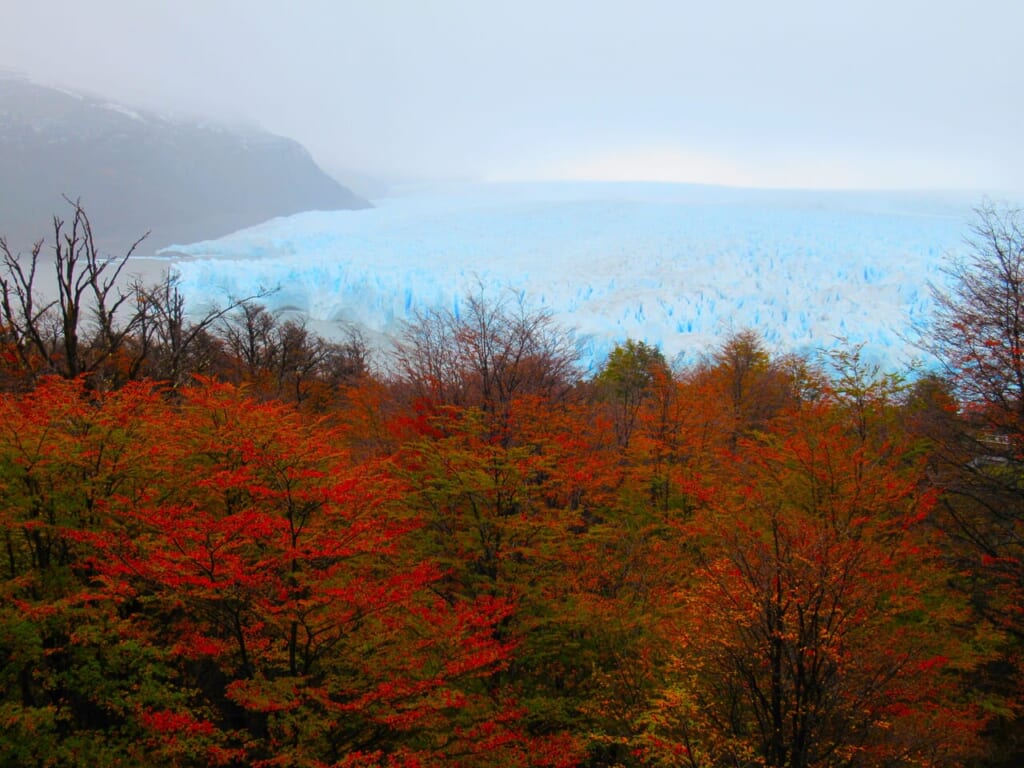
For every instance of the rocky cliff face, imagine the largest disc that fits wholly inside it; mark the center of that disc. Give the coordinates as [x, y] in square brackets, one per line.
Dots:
[138, 172]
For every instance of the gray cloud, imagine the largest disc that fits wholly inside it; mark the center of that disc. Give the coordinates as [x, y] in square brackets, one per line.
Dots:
[868, 93]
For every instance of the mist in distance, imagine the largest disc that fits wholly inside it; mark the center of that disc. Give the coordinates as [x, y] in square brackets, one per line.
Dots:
[910, 95]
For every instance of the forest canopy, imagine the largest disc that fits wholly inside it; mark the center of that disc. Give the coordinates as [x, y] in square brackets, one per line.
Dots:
[228, 541]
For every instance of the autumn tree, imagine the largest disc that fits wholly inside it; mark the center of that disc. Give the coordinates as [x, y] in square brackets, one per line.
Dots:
[304, 615]
[211, 580]
[77, 669]
[977, 336]
[817, 628]
[522, 500]
[748, 383]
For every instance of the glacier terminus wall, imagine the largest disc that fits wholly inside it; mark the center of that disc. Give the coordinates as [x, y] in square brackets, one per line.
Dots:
[679, 266]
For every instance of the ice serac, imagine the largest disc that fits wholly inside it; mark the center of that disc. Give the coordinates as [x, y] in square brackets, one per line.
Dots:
[679, 266]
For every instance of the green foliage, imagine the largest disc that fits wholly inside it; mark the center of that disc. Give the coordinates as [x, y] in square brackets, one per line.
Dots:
[630, 375]
[631, 367]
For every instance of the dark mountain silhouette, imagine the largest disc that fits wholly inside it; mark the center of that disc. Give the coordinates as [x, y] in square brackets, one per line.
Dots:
[136, 172]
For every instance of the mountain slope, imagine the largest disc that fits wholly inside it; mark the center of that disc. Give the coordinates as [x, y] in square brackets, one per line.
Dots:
[136, 172]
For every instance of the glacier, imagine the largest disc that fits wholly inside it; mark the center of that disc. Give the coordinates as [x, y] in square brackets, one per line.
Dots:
[679, 266]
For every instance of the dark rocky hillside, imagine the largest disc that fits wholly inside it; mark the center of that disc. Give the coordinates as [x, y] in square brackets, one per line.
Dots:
[135, 171]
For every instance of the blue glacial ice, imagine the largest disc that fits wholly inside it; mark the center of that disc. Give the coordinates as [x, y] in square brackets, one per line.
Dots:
[679, 266]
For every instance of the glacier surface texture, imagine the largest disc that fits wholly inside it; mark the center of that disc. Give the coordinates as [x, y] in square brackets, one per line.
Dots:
[679, 266]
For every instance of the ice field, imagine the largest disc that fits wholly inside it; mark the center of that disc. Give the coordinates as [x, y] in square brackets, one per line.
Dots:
[680, 266]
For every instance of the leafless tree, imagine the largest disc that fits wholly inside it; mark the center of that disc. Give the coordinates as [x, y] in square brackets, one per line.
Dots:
[249, 336]
[978, 337]
[976, 428]
[286, 357]
[170, 345]
[88, 322]
[99, 324]
[978, 332]
[486, 354]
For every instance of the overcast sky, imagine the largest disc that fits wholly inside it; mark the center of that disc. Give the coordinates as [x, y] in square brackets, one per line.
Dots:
[810, 93]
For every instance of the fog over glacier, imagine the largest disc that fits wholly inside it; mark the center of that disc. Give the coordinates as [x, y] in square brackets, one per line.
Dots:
[679, 266]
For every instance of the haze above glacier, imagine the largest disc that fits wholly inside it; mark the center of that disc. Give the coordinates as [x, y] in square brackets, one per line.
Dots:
[793, 93]
[679, 266]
